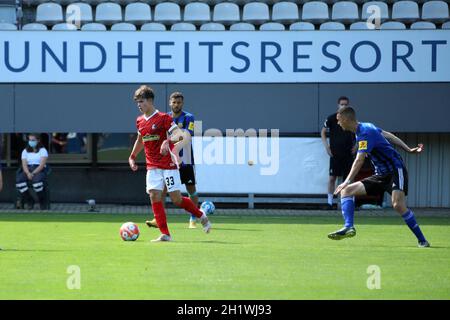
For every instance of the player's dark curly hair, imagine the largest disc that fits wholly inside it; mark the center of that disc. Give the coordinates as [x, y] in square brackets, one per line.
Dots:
[144, 92]
[176, 95]
[343, 98]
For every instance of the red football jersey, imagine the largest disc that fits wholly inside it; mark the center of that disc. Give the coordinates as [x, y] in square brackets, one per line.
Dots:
[154, 131]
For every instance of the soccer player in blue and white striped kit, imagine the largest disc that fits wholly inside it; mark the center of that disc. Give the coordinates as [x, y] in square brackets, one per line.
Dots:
[390, 173]
[184, 120]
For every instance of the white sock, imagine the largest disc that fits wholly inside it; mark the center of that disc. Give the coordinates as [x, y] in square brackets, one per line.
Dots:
[330, 199]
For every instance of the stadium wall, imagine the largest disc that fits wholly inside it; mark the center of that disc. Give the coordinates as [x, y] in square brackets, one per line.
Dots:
[417, 111]
[429, 178]
[292, 108]
[429, 173]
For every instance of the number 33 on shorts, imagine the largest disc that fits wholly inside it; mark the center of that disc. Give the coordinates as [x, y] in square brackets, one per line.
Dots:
[156, 178]
[172, 180]
[169, 181]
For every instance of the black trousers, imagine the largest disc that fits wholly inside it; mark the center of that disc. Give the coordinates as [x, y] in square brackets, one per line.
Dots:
[38, 184]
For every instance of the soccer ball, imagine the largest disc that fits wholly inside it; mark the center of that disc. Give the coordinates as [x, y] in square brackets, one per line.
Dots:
[129, 231]
[207, 207]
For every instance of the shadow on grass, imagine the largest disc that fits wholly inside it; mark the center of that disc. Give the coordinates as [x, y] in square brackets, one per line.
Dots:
[216, 219]
[406, 247]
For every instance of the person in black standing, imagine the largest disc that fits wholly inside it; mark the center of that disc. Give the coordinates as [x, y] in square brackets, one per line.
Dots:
[341, 149]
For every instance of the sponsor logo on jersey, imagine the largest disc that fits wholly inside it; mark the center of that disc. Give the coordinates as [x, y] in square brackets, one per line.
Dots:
[362, 145]
[150, 137]
[153, 126]
[191, 126]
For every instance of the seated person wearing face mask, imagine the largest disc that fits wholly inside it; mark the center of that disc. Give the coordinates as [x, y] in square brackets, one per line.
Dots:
[33, 173]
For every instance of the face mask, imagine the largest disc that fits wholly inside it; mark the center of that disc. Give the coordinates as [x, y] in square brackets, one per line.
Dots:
[32, 144]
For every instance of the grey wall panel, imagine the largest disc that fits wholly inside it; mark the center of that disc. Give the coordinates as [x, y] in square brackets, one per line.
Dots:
[79, 107]
[429, 172]
[401, 107]
[6, 108]
[292, 108]
[445, 178]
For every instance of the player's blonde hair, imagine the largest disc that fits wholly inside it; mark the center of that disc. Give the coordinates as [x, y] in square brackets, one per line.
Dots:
[144, 92]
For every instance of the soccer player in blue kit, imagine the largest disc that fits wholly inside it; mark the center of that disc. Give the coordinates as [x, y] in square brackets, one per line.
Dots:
[390, 173]
[184, 120]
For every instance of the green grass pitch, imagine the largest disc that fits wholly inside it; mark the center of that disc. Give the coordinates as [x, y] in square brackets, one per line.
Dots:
[246, 257]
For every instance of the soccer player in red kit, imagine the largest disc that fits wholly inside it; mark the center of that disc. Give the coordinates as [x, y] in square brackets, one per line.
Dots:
[162, 140]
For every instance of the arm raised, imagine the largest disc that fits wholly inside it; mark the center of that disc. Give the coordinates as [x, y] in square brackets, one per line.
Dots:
[399, 142]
